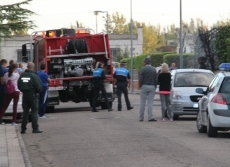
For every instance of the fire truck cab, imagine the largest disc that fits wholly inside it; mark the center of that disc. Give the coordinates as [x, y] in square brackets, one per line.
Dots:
[70, 56]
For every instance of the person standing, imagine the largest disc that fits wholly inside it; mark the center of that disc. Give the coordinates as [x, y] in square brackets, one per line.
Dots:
[164, 81]
[98, 82]
[173, 67]
[44, 94]
[147, 84]
[3, 64]
[122, 79]
[30, 84]
[12, 75]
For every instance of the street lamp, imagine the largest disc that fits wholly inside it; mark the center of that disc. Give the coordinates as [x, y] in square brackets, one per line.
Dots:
[107, 21]
[131, 48]
[181, 47]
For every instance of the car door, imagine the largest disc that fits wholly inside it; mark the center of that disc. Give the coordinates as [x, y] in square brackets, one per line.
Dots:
[205, 99]
[210, 93]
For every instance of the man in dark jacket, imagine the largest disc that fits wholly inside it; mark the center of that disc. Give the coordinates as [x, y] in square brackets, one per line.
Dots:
[147, 84]
[122, 78]
[30, 84]
[98, 82]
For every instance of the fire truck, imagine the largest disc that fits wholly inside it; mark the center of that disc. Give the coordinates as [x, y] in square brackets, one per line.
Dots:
[70, 56]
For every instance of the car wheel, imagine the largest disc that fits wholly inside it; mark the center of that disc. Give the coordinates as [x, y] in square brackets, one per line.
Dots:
[211, 131]
[175, 117]
[200, 127]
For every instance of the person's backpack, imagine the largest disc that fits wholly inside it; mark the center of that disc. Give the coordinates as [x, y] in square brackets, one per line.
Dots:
[10, 87]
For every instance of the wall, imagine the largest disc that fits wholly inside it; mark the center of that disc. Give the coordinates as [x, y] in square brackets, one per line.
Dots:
[123, 41]
[9, 46]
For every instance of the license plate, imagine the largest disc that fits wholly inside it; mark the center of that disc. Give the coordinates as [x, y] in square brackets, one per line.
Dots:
[195, 105]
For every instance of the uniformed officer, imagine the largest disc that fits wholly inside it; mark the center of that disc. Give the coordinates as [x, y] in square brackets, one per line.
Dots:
[98, 82]
[30, 84]
[122, 79]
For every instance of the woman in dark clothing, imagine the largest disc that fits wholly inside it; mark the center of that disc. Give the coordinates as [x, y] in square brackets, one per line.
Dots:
[164, 81]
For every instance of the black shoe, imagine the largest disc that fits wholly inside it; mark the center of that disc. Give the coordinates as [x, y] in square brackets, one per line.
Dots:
[152, 120]
[130, 108]
[23, 132]
[119, 110]
[110, 109]
[94, 110]
[37, 131]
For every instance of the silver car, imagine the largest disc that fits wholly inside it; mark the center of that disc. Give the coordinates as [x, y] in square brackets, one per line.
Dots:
[183, 98]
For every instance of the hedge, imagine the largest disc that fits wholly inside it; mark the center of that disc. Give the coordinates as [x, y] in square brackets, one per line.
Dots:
[156, 58]
[188, 60]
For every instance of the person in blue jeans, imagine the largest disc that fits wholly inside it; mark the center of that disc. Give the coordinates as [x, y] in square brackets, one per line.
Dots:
[44, 94]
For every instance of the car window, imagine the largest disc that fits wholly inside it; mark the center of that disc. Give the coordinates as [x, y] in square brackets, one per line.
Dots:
[213, 84]
[225, 87]
[192, 79]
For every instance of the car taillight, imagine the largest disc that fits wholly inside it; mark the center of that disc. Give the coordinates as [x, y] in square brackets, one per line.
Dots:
[219, 98]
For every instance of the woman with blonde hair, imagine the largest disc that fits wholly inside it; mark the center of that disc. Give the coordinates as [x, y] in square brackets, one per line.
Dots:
[164, 82]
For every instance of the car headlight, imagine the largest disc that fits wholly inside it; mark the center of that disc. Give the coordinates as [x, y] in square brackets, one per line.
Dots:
[177, 95]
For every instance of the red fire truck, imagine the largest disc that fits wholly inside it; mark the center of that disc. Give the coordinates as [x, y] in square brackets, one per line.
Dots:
[70, 56]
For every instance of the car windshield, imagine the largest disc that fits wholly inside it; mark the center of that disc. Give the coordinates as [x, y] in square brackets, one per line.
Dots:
[225, 87]
[192, 79]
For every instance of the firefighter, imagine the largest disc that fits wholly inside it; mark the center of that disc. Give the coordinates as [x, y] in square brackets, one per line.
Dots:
[98, 82]
[122, 79]
[30, 84]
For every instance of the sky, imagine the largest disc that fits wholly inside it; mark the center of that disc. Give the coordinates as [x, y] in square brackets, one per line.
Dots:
[54, 14]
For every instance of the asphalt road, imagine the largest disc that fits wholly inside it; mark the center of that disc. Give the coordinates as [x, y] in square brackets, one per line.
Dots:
[76, 137]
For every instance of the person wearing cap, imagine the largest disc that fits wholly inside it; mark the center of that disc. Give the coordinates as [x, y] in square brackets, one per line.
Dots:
[122, 79]
[98, 82]
[147, 84]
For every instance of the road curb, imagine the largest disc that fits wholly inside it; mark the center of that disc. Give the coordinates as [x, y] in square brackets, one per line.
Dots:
[23, 148]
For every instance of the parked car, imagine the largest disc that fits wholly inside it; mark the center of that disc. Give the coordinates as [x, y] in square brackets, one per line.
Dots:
[183, 98]
[214, 110]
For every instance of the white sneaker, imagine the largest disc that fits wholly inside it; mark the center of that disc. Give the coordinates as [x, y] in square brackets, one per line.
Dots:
[44, 116]
[14, 124]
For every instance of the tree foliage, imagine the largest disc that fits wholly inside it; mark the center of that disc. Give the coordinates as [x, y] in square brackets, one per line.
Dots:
[207, 38]
[14, 19]
[221, 43]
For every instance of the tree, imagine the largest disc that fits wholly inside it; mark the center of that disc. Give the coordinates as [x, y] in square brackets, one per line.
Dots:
[207, 38]
[14, 19]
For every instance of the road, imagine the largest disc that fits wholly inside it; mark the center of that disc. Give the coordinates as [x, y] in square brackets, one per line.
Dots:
[77, 137]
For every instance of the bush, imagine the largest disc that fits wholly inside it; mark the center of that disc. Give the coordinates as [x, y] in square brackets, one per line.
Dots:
[188, 59]
[156, 60]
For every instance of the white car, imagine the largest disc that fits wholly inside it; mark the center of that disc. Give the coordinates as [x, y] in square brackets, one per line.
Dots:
[183, 98]
[214, 106]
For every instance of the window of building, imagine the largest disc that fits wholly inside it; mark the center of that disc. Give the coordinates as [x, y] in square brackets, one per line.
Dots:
[115, 52]
[20, 58]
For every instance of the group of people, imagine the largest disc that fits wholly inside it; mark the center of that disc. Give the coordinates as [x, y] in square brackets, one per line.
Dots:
[34, 87]
[148, 81]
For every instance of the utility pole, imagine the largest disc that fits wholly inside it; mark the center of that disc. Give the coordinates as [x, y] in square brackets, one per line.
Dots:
[131, 48]
[181, 45]
[96, 13]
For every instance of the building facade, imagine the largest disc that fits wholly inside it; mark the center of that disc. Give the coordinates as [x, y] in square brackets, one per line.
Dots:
[121, 43]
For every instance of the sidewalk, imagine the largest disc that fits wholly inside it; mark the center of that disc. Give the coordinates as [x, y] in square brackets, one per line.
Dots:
[12, 148]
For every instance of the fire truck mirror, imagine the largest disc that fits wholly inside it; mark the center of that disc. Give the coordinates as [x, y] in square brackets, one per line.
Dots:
[24, 50]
